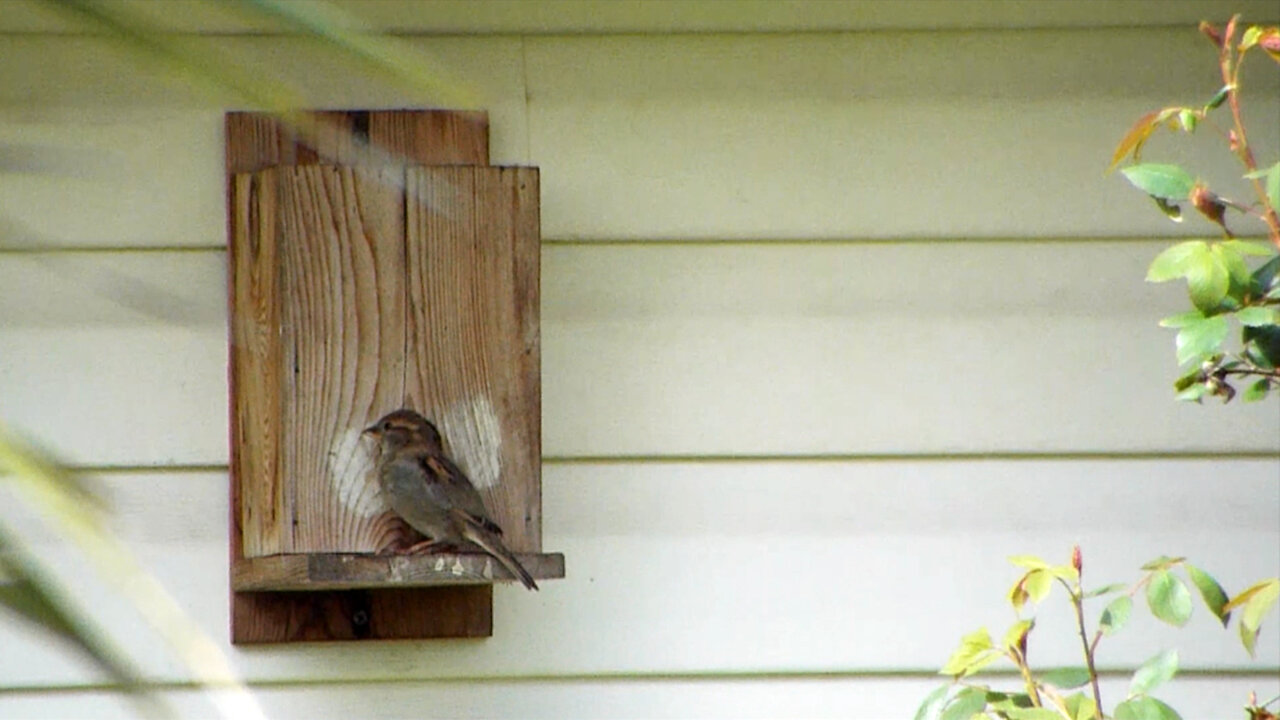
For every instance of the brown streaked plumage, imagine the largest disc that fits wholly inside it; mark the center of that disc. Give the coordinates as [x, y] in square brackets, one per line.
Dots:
[430, 493]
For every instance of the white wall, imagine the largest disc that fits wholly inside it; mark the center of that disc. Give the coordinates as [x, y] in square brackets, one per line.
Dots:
[833, 322]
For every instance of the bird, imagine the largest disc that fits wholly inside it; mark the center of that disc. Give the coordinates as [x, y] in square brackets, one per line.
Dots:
[431, 493]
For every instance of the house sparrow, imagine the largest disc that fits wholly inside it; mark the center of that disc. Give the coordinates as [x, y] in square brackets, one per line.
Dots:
[430, 493]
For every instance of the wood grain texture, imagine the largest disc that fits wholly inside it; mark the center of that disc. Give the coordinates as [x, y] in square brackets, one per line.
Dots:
[346, 571]
[254, 364]
[342, 363]
[339, 351]
[432, 138]
[473, 257]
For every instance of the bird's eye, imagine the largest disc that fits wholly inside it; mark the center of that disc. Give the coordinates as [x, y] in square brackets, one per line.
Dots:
[386, 426]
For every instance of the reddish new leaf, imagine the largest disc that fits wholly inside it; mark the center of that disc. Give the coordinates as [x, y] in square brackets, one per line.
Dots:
[1138, 134]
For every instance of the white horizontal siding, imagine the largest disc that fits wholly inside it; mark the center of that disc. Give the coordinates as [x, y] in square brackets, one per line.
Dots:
[632, 16]
[880, 362]
[695, 568]
[668, 350]
[846, 698]
[891, 135]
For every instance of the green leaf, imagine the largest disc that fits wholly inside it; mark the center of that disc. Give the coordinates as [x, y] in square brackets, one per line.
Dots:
[1063, 572]
[1197, 340]
[1173, 262]
[1115, 615]
[1138, 134]
[1031, 562]
[1014, 635]
[1231, 259]
[1168, 598]
[1181, 320]
[1188, 380]
[1080, 707]
[1250, 38]
[975, 652]
[1262, 345]
[1065, 678]
[1153, 673]
[1208, 279]
[1246, 247]
[1265, 276]
[1038, 584]
[1256, 600]
[1193, 393]
[1032, 713]
[1171, 210]
[932, 705]
[1105, 590]
[1215, 598]
[1169, 182]
[1219, 97]
[1187, 118]
[1258, 316]
[1256, 391]
[1034, 585]
[1272, 174]
[966, 703]
[1145, 708]
[1164, 562]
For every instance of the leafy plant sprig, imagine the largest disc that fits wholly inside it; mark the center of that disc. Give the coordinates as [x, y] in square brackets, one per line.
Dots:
[1221, 284]
[1047, 694]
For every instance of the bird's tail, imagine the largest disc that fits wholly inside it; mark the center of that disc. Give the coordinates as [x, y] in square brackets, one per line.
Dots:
[493, 545]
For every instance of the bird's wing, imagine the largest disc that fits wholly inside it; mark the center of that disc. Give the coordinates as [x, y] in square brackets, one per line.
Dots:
[450, 488]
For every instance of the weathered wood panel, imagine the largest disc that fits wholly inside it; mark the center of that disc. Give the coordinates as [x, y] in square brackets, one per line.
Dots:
[342, 359]
[343, 571]
[261, 509]
[340, 363]
[475, 365]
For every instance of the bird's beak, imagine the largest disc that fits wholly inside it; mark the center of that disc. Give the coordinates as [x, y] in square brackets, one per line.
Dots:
[371, 431]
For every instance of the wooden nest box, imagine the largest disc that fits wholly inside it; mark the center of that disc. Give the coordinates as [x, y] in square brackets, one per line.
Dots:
[378, 263]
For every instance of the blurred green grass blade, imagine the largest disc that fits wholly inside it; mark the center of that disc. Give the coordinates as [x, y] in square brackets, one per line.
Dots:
[214, 73]
[37, 480]
[29, 593]
[220, 77]
[382, 53]
[31, 468]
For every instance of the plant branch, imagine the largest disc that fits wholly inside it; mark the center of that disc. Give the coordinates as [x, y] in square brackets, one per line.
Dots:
[1230, 78]
[1077, 601]
[1033, 690]
[1253, 370]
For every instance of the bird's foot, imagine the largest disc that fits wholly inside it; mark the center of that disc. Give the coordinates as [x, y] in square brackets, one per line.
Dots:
[427, 546]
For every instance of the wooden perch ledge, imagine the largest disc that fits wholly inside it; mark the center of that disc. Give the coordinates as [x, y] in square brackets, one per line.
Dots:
[351, 571]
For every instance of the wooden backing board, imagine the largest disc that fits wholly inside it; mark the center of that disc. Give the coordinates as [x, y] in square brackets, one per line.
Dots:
[255, 142]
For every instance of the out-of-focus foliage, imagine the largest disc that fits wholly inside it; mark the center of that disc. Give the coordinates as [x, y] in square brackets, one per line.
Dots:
[1231, 283]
